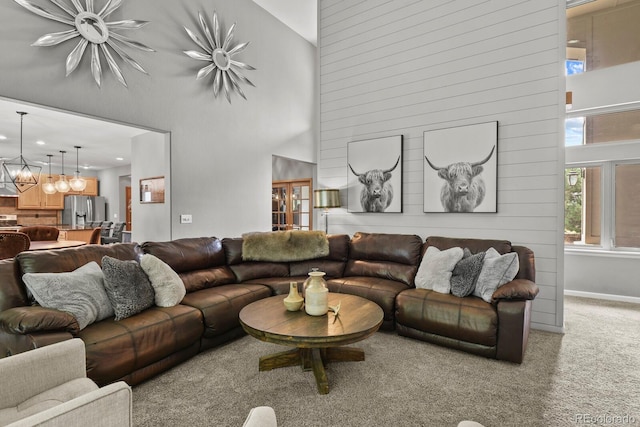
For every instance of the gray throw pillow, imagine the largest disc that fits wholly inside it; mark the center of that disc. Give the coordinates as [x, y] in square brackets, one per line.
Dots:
[167, 285]
[496, 271]
[80, 293]
[127, 286]
[465, 274]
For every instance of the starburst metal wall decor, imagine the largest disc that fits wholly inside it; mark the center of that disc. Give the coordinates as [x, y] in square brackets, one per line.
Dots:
[93, 30]
[220, 55]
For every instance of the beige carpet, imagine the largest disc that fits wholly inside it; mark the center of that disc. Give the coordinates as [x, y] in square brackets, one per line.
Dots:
[591, 371]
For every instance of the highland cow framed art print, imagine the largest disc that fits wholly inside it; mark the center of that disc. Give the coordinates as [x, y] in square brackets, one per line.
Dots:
[461, 169]
[374, 175]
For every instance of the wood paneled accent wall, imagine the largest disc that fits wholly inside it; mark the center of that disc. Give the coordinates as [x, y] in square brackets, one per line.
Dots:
[409, 66]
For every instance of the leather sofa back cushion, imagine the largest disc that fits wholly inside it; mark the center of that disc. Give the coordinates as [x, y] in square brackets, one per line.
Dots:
[331, 268]
[394, 248]
[12, 292]
[384, 270]
[333, 264]
[189, 254]
[256, 270]
[474, 245]
[527, 263]
[207, 278]
[72, 258]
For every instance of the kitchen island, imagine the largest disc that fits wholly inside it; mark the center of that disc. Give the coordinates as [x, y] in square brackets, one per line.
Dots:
[68, 232]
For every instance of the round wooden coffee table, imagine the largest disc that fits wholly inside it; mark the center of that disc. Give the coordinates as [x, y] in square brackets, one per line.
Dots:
[317, 339]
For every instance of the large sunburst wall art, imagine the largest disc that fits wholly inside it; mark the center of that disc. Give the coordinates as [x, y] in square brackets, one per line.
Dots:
[219, 54]
[93, 30]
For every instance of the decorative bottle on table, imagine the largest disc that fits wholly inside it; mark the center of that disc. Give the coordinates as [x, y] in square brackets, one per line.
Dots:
[316, 294]
[293, 301]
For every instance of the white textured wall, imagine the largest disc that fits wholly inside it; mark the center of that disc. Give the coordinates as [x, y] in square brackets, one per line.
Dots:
[109, 187]
[220, 153]
[407, 66]
[150, 221]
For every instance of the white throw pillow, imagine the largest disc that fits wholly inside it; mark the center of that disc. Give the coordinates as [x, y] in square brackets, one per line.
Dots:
[496, 271]
[168, 286]
[436, 267]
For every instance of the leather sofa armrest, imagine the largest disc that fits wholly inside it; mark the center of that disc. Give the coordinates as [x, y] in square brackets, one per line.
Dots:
[518, 289]
[26, 320]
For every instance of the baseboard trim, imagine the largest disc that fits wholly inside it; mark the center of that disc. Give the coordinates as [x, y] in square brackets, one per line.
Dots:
[547, 328]
[609, 297]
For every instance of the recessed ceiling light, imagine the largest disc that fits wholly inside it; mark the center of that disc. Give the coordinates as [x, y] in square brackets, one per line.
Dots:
[40, 142]
[85, 167]
[120, 158]
[573, 41]
[3, 137]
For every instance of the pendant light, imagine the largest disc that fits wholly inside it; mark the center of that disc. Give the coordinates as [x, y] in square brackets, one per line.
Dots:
[77, 183]
[22, 174]
[61, 184]
[49, 187]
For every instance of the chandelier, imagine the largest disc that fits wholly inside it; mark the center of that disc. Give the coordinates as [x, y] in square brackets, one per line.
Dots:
[77, 183]
[49, 187]
[62, 185]
[22, 174]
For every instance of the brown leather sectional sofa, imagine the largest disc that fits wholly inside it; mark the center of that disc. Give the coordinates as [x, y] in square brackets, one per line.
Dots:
[379, 267]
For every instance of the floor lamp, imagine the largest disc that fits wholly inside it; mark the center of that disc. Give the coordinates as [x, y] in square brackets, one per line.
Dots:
[326, 199]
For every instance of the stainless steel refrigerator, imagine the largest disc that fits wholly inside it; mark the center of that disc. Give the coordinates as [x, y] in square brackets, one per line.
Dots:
[79, 210]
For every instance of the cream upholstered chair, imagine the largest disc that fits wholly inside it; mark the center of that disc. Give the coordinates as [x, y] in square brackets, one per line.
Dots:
[48, 386]
[261, 416]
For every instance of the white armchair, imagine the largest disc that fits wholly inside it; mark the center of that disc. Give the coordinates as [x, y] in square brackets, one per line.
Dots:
[48, 386]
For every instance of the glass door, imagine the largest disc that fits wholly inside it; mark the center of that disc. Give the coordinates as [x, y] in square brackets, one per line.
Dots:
[291, 205]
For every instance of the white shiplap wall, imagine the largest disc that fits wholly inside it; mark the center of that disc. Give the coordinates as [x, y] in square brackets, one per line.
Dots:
[409, 66]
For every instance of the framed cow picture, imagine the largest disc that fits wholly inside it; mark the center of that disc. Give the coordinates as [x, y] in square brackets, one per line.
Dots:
[374, 175]
[461, 169]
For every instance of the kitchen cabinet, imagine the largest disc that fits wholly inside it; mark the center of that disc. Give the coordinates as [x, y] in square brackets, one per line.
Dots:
[91, 188]
[35, 198]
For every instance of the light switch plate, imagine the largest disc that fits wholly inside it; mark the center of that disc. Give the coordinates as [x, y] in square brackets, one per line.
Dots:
[186, 219]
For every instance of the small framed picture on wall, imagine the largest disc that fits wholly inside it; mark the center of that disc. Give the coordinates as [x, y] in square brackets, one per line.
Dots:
[461, 169]
[375, 175]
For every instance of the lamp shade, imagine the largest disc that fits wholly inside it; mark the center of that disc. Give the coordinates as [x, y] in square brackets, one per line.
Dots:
[326, 198]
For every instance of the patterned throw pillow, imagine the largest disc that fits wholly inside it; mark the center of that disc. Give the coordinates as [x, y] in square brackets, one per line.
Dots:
[127, 286]
[436, 267]
[80, 293]
[496, 271]
[465, 274]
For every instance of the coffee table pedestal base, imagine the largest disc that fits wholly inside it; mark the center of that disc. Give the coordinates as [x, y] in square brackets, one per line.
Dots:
[312, 359]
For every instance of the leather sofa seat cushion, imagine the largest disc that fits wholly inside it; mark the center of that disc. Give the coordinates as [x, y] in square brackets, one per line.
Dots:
[220, 306]
[188, 254]
[381, 291]
[115, 349]
[468, 319]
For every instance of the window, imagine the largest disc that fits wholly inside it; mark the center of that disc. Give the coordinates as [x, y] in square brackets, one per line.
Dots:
[602, 207]
[602, 34]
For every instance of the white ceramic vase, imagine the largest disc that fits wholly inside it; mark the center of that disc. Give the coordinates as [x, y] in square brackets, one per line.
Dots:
[316, 294]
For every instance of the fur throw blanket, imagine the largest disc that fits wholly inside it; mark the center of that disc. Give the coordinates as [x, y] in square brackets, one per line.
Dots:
[284, 246]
